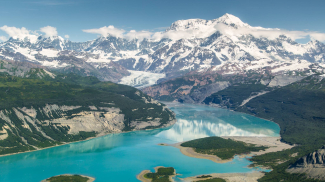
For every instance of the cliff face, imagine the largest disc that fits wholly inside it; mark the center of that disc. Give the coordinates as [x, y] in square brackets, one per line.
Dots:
[31, 128]
[34, 128]
[313, 165]
[37, 113]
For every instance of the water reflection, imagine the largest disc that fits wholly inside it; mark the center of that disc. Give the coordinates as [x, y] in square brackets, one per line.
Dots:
[185, 130]
[201, 121]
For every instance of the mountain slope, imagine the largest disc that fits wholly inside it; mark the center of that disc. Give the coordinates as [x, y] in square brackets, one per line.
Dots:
[36, 113]
[195, 86]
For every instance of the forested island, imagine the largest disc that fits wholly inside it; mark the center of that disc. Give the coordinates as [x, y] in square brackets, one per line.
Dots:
[69, 178]
[223, 148]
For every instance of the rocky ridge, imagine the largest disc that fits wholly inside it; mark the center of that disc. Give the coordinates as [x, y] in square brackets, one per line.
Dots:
[187, 45]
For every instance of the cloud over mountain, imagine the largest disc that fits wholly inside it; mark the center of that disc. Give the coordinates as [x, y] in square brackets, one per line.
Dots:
[20, 33]
[49, 31]
[182, 29]
[3, 38]
[105, 31]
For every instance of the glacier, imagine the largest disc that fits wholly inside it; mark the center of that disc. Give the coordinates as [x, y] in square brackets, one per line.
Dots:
[141, 79]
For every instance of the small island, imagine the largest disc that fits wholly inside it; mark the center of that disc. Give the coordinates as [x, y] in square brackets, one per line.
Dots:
[225, 149]
[208, 178]
[69, 178]
[161, 174]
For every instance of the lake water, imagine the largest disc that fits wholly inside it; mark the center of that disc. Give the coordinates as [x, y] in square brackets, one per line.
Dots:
[120, 157]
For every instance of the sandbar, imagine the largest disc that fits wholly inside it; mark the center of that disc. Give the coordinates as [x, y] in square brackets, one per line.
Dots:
[230, 177]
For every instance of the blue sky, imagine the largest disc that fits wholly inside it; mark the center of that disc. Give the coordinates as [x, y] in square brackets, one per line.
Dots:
[70, 17]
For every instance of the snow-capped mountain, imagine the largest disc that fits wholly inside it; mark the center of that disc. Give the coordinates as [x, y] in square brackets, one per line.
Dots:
[187, 45]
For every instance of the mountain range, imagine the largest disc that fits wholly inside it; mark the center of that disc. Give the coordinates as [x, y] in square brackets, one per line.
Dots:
[49, 82]
[187, 45]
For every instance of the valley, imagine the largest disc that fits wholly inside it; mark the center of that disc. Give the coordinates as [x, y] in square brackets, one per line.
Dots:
[54, 92]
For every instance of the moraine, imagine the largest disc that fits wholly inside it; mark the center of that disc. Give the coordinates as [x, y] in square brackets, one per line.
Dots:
[120, 157]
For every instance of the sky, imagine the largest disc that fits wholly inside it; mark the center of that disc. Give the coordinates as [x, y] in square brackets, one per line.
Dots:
[72, 19]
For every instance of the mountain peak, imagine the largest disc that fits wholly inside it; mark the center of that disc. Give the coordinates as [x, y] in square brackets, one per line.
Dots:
[230, 19]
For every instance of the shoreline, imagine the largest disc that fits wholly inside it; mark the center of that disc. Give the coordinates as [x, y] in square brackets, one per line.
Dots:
[229, 177]
[141, 176]
[274, 144]
[188, 151]
[98, 136]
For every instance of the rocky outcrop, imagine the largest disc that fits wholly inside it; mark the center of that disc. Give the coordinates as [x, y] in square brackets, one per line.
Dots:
[105, 120]
[313, 165]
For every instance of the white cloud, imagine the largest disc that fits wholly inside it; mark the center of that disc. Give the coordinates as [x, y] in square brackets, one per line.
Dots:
[138, 35]
[3, 38]
[270, 33]
[182, 34]
[20, 33]
[66, 36]
[105, 31]
[49, 31]
[207, 30]
[317, 36]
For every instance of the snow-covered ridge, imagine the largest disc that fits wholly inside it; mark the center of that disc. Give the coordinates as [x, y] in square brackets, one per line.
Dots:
[187, 45]
[200, 24]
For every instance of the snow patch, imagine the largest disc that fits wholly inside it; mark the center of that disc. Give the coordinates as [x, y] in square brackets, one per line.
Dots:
[140, 79]
[54, 64]
[49, 53]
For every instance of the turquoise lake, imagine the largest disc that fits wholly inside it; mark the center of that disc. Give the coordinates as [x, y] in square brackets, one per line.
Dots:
[120, 157]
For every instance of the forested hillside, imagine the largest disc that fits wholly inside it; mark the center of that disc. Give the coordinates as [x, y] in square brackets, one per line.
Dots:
[38, 112]
[299, 110]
